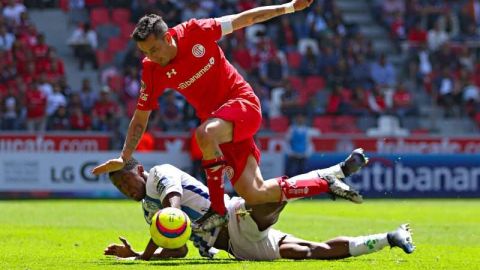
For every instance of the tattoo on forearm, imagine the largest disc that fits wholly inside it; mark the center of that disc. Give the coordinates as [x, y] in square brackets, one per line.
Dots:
[137, 133]
[268, 15]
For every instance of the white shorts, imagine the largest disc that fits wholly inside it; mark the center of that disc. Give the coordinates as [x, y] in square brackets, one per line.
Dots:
[246, 241]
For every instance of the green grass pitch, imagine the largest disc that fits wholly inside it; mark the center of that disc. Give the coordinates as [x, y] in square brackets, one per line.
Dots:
[71, 234]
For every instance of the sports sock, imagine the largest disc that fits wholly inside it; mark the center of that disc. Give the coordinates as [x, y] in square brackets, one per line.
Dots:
[367, 244]
[303, 185]
[215, 183]
[333, 170]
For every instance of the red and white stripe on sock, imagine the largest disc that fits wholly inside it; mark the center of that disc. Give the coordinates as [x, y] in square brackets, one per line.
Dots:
[303, 185]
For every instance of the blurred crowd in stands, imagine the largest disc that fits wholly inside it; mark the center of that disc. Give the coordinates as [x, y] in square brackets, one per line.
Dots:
[311, 63]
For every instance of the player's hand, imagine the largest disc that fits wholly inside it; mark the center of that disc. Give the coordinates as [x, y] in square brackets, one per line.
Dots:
[301, 4]
[121, 251]
[109, 166]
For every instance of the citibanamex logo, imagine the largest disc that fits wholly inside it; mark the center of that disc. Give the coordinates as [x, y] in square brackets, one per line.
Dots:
[198, 50]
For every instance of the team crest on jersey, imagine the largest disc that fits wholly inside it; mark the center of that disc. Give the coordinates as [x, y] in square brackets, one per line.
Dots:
[198, 50]
[228, 173]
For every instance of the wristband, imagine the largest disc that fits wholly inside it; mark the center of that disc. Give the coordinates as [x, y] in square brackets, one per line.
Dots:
[289, 8]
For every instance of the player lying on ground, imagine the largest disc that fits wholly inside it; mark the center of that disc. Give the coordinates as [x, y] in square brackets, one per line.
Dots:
[248, 234]
[187, 58]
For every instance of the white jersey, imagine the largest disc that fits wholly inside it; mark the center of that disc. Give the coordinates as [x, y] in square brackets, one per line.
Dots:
[195, 200]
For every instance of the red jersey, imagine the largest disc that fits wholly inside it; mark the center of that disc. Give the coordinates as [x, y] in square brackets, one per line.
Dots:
[200, 71]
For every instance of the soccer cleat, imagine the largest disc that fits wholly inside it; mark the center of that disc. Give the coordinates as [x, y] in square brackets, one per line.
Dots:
[209, 221]
[342, 190]
[354, 162]
[402, 238]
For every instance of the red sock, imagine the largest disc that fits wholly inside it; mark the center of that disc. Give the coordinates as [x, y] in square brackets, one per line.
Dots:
[214, 172]
[300, 186]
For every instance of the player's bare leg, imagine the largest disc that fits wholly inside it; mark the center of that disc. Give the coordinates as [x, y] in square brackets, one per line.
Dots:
[343, 247]
[210, 135]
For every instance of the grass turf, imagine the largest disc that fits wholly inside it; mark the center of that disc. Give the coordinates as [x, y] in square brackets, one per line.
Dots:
[71, 234]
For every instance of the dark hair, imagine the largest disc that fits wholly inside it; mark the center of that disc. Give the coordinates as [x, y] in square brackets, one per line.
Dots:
[130, 165]
[149, 24]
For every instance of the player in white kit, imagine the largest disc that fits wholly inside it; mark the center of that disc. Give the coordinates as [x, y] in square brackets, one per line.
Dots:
[248, 234]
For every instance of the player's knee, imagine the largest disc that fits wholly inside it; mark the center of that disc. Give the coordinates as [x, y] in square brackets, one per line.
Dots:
[204, 136]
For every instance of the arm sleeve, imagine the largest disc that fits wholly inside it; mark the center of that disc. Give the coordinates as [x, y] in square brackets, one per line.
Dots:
[210, 29]
[147, 100]
[166, 180]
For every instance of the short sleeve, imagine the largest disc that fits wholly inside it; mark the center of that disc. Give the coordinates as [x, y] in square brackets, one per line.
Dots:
[147, 98]
[208, 28]
[166, 180]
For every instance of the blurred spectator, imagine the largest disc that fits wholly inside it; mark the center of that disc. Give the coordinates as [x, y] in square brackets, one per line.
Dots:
[6, 39]
[55, 100]
[193, 10]
[360, 72]
[79, 120]
[147, 142]
[436, 37]
[168, 11]
[36, 103]
[88, 97]
[310, 64]
[359, 105]
[403, 102]
[417, 34]
[383, 72]
[391, 8]
[316, 24]
[447, 92]
[10, 110]
[105, 112]
[299, 145]
[171, 111]
[337, 101]
[286, 36]
[12, 11]
[291, 103]
[376, 101]
[40, 49]
[59, 120]
[84, 43]
[132, 83]
[274, 72]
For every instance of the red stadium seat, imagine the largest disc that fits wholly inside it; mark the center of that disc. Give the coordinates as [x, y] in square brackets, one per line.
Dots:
[116, 44]
[64, 5]
[279, 124]
[294, 59]
[121, 16]
[314, 84]
[126, 29]
[324, 123]
[93, 3]
[99, 16]
[345, 124]
[104, 57]
[296, 82]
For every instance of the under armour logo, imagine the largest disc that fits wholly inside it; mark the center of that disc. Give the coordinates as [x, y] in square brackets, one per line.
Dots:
[171, 73]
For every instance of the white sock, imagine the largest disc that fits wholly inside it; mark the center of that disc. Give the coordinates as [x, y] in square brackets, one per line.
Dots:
[335, 170]
[367, 244]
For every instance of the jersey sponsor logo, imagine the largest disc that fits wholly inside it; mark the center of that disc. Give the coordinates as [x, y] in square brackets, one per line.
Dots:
[198, 50]
[197, 75]
[228, 173]
[171, 73]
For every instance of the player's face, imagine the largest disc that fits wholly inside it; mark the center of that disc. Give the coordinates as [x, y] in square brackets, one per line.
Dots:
[131, 184]
[158, 49]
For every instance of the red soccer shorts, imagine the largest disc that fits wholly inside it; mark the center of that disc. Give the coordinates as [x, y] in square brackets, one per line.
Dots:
[236, 154]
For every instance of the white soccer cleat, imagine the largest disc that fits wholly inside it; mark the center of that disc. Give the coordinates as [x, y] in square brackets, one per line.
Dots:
[342, 190]
[402, 238]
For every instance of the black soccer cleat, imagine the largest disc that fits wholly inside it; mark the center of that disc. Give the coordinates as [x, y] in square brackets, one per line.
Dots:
[354, 162]
[342, 190]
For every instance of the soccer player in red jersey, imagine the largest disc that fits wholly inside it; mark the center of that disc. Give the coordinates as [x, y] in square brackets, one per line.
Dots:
[187, 58]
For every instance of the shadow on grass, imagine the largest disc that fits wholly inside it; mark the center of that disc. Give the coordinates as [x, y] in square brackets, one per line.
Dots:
[189, 261]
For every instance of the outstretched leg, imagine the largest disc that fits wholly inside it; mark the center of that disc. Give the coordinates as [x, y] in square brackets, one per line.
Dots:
[343, 247]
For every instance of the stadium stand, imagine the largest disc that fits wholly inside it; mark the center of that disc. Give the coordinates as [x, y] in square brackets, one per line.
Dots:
[337, 65]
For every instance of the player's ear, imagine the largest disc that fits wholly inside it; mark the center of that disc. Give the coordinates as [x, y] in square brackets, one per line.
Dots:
[167, 37]
[140, 169]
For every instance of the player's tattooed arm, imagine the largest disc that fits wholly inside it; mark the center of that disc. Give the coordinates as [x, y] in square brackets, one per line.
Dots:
[134, 134]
